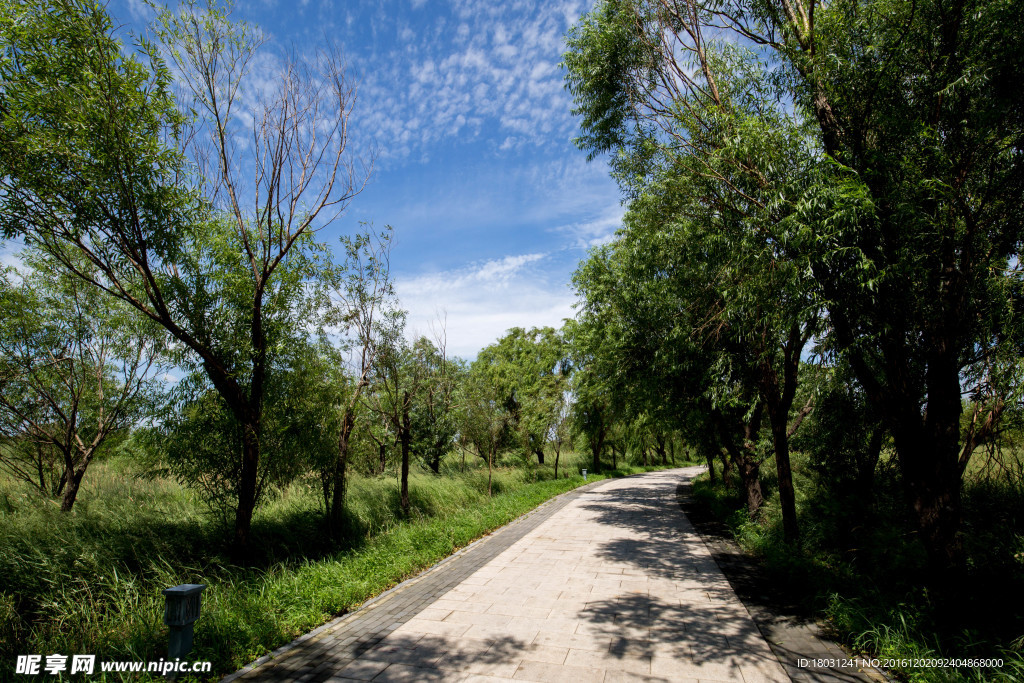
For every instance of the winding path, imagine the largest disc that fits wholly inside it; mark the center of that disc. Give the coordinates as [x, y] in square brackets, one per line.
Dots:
[609, 582]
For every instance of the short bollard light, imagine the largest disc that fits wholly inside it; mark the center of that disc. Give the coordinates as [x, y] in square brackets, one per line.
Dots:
[180, 612]
[584, 475]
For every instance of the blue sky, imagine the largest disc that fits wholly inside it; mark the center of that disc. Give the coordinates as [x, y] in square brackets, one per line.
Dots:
[491, 203]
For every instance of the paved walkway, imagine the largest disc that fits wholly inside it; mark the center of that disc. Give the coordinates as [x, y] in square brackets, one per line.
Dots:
[606, 583]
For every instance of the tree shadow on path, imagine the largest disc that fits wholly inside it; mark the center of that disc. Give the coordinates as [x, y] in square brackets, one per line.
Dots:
[707, 624]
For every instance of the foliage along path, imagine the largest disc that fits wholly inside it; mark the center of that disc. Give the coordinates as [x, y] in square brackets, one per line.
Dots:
[608, 582]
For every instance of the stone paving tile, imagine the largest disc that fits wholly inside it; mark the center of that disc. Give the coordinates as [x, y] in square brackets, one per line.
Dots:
[411, 674]
[363, 669]
[556, 673]
[609, 582]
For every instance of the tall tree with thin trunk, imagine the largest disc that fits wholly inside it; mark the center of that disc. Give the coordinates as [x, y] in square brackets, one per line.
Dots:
[486, 420]
[395, 379]
[364, 304]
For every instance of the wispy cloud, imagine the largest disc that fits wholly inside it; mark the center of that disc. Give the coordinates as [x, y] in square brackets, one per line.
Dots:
[595, 231]
[10, 256]
[476, 305]
[502, 270]
[469, 70]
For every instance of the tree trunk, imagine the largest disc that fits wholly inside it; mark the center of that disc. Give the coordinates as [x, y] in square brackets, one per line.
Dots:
[252, 430]
[750, 473]
[247, 483]
[787, 495]
[55, 488]
[557, 453]
[929, 460]
[726, 469]
[745, 461]
[405, 435]
[490, 459]
[779, 399]
[74, 482]
[659, 447]
[540, 455]
[672, 451]
[336, 513]
[778, 419]
[326, 484]
[711, 466]
[383, 455]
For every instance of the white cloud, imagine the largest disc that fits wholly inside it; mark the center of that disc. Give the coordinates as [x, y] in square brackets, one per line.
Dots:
[478, 304]
[597, 230]
[499, 65]
[139, 10]
[10, 256]
[502, 270]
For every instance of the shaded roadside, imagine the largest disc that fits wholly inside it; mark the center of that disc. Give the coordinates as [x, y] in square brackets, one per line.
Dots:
[791, 632]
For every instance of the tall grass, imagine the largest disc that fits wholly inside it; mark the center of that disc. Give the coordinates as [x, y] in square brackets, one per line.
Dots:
[89, 582]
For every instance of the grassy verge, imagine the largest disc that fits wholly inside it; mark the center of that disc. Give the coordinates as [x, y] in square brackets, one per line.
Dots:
[89, 582]
[860, 568]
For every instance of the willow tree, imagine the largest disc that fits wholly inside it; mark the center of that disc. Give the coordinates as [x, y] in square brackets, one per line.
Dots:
[530, 371]
[486, 421]
[366, 308]
[906, 210]
[712, 165]
[76, 369]
[918, 217]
